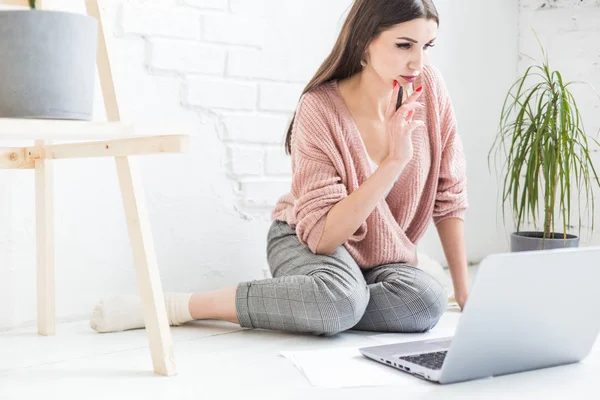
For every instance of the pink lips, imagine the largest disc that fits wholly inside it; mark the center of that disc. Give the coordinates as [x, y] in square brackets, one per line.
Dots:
[410, 78]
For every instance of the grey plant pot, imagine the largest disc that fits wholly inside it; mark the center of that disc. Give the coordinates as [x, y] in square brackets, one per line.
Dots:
[47, 64]
[530, 241]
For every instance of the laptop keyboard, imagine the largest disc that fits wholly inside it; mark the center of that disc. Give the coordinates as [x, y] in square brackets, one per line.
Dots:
[428, 360]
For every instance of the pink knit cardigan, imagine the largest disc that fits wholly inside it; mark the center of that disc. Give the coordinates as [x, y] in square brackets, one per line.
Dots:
[329, 161]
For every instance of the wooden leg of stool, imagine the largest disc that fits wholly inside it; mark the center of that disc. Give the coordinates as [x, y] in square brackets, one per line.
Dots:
[150, 287]
[44, 207]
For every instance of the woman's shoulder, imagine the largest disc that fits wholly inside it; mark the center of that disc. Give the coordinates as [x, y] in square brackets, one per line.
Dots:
[319, 100]
[317, 122]
[318, 110]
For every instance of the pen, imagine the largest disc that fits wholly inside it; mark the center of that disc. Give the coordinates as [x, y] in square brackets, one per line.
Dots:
[399, 101]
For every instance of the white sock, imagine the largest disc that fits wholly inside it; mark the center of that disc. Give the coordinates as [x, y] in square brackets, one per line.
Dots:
[123, 312]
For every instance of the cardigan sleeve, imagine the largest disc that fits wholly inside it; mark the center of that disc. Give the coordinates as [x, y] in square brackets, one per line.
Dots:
[316, 182]
[451, 197]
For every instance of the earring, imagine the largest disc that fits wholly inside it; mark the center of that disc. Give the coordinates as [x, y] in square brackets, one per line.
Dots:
[363, 63]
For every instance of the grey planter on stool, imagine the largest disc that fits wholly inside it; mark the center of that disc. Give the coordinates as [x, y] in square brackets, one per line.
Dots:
[47, 64]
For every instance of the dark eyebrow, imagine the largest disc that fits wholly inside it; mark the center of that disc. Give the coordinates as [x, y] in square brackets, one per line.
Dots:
[413, 40]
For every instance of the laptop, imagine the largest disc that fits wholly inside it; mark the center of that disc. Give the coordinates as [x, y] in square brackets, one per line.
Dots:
[526, 310]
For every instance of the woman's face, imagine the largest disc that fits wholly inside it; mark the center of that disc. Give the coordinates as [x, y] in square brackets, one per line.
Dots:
[401, 51]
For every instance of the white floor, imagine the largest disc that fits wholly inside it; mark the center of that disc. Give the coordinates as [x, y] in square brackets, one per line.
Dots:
[220, 360]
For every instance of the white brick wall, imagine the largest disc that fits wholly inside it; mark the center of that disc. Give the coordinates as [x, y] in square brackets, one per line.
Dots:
[565, 4]
[252, 63]
[229, 68]
[246, 160]
[278, 163]
[254, 7]
[178, 56]
[234, 29]
[234, 65]
[255, 128]
[208, 4]
[214, 94]
[152, 20]
[260, 193]
[279, 96]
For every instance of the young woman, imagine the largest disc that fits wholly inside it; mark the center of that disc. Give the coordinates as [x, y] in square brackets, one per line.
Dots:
[367, 181]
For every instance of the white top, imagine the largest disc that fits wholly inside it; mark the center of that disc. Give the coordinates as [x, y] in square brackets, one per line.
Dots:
[375, 166]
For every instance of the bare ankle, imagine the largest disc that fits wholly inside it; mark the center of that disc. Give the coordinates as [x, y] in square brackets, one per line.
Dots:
[217, 304]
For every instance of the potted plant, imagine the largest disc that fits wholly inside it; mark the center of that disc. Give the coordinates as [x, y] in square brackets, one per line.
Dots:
[547, 159]
[47, 64]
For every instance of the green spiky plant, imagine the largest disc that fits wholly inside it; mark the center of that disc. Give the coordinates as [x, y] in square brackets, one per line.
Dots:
[547, 148]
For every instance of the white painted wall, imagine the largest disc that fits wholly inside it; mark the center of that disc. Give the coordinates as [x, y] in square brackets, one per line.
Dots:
[234, 69]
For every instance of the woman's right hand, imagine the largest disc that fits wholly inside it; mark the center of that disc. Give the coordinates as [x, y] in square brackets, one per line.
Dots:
[400, 126]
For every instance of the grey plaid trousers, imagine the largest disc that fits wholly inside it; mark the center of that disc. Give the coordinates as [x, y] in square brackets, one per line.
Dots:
[325, 295]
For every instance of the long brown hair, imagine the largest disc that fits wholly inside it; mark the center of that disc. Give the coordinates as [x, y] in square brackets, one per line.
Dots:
[365, 21]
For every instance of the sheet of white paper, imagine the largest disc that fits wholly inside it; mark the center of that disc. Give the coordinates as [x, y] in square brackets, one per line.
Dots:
[343, 367]
[346, 367]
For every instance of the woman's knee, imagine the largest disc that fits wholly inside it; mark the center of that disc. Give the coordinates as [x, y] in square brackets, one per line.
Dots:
[343, 301]
[425, 297]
